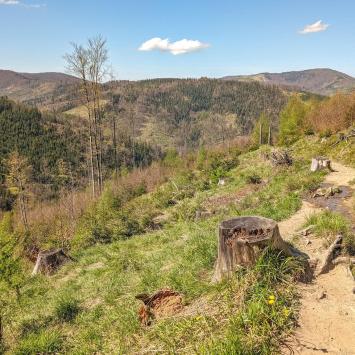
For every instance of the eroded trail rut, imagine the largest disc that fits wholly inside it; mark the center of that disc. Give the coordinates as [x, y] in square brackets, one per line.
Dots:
[327, 310]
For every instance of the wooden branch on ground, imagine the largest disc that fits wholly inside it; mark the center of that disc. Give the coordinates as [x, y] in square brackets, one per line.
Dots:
[330, 255]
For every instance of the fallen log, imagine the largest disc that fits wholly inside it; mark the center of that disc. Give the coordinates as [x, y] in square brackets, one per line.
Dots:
[241, 241]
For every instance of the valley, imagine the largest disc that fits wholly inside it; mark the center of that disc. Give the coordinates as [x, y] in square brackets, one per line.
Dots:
[157, 197]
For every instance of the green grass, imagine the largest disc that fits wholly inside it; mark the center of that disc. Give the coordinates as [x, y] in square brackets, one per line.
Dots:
[90, 305]
[43, 342]
[329, 224]
[309, 147]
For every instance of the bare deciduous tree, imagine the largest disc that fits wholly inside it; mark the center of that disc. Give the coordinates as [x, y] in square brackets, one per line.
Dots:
[90, 65]
[17, 179]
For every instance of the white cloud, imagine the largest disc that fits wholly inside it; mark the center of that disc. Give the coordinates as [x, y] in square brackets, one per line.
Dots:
[179, 47]
[318, 26]
[9, 2]
[17, 2]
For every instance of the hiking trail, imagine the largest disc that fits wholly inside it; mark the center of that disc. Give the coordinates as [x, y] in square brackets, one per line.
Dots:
[327, 310]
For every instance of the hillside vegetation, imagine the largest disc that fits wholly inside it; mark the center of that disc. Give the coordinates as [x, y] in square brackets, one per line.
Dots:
[96, 293]
[154, 225]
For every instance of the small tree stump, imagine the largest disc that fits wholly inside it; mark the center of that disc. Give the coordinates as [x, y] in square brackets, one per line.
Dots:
[241, 241]
[163, 303]
[280, 157]
[49, 261]
[320, 163]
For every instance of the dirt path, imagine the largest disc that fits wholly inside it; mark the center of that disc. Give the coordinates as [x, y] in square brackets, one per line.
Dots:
[327, 310]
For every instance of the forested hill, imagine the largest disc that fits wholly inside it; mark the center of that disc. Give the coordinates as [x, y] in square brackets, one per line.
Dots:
[191, 112]
[54, 149]
[44, 142]
[39, 89]
[319, 81]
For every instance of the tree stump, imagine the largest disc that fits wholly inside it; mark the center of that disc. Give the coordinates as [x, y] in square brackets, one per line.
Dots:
[49, 261]
[161, 304]
[241, 240]
[280, 157]
[320, 163]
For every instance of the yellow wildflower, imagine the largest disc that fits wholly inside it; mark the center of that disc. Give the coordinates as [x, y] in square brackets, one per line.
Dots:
[271, 299]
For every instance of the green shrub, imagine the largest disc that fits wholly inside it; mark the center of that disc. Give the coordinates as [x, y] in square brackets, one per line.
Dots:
[253, 178]
[66, 308]
[186, 210]
[292, 121]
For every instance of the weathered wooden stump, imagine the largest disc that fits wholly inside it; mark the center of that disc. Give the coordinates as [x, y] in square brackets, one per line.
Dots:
[320, 163]
[241, 240]
[163, 303]
[49, 261]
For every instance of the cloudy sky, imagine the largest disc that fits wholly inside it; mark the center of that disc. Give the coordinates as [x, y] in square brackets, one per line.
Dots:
[182, 38]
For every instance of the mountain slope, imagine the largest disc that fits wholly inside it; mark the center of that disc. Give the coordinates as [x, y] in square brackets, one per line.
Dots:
[318, 81]
[34, 87]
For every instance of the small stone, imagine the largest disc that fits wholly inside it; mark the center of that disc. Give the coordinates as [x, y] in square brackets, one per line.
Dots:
[354, 290]
[221, 182]
[322, 295]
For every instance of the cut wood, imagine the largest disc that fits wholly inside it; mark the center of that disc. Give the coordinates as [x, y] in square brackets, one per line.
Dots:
[320, 163]
[332, 252]
[161, 304]
[49, 261]
[241, 240]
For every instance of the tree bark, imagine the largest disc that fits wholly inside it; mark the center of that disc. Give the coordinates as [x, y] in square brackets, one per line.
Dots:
[49, 261]
[242, 239]
[320, 163]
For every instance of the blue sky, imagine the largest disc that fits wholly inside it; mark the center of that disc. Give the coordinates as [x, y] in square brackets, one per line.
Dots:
[237, 37]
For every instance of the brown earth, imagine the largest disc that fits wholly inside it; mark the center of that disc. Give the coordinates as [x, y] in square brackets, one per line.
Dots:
[327, 310]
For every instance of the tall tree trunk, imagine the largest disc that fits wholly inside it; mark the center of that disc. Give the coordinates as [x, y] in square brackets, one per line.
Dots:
[114, 143]
[92, 167]
[269, 136]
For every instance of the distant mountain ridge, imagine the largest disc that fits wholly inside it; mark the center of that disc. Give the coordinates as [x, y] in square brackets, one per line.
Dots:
[57, 91]
[10, 79]
[321, 81]
[34, 86]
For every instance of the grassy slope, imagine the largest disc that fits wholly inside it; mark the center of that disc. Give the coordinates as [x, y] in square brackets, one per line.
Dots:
[98, 290]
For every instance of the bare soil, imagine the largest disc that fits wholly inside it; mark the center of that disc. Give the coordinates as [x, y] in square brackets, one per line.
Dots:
[327, 310]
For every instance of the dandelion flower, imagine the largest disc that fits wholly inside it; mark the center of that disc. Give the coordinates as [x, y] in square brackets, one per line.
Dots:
[271, 299]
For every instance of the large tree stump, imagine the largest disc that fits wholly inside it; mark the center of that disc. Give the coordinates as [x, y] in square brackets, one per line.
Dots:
[49, 261]
[320, 163]
[241, 240]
